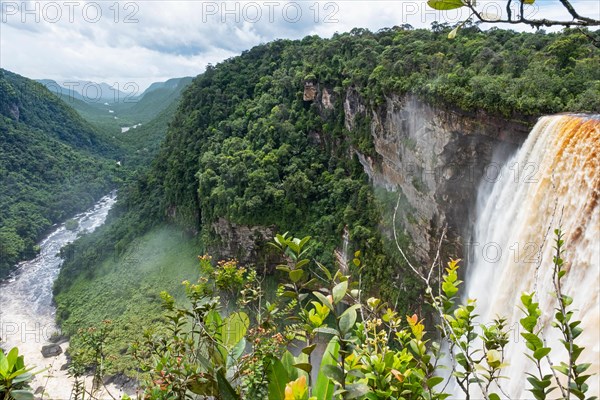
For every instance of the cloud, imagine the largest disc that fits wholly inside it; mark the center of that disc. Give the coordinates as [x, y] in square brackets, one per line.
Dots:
[147, 41]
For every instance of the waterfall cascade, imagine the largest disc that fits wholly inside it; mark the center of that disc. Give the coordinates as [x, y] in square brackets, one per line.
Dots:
[553, 179]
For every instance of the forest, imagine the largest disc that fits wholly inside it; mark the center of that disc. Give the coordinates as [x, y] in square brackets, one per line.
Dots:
[245, 145]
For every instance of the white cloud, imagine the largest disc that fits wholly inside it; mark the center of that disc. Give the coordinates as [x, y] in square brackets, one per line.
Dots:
[147, 41]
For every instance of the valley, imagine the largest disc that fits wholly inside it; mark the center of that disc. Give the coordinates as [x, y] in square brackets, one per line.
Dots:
[380, 155]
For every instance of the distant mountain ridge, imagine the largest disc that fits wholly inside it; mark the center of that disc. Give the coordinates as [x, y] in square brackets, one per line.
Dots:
[101, 92]
[169, 84]
[91, 92]
[109, 116]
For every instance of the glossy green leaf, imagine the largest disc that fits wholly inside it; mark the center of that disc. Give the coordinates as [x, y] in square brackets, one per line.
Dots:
[277, 378]
[234, 328]
[296, 275]
[324, 388]
[347, 320]
[339, 291]
[22, 395]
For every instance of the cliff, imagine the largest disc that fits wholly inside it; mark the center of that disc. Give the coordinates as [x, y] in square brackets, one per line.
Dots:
[433, 158]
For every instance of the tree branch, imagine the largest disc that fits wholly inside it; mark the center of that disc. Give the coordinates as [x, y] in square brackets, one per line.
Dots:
[578, 19]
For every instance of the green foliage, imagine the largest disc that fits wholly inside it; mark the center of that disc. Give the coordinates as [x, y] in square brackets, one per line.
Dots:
[14, 377]
[569, 328]
[378, 357]
[225, 343]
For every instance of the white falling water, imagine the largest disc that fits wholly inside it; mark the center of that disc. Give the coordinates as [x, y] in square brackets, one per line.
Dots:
[557, 169]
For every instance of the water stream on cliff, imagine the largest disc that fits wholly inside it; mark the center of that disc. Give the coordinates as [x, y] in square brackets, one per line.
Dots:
[27, 313]
[554, 179]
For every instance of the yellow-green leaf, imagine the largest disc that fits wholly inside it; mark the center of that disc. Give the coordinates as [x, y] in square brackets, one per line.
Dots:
[445, 4]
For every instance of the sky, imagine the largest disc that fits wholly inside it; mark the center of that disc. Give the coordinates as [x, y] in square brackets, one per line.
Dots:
[140, 42]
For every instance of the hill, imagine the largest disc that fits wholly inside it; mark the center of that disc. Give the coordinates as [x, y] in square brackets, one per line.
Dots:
[135, 125]
[52, 165]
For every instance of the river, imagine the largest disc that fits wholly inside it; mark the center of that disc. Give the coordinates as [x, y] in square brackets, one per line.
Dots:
[27, 312]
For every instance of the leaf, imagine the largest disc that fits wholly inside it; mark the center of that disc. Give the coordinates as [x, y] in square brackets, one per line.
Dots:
[288, 361]
[434, 381]
[453, 33]
[277, 378]
[449, 289]
[226, 391]
[493, 358]
[21, 395]
[347, 320]
[529, 2]
[283, 268]
[445, 4]
[333, 372]
[528, 323]
[323, 300]
[296, 275]
[324, 388]
[541, 353]
[306, 367]
[493, 396]
[3, 365]
[234, 328]
[304, 241]
[294, 246]
[326, 330]
[309, 349]
[339, 291]
[12, 356]
[356, 390]
[324, 270]
[534, 340]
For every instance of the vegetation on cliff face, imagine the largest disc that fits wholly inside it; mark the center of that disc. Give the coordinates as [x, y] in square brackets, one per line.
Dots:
[52, 165]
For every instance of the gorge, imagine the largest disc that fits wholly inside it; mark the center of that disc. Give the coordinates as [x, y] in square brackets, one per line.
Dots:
[322, 138]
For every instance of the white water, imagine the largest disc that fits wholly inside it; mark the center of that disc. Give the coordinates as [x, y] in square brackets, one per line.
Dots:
[557, 169]
[27, 313]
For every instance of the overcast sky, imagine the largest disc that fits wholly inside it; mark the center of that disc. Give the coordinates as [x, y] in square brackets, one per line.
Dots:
[149, 41]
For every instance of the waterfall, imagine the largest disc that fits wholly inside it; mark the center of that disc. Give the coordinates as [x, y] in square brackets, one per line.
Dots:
[556, 170]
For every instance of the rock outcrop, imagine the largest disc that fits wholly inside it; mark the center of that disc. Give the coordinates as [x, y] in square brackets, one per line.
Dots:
[310, 91]
[242, 242]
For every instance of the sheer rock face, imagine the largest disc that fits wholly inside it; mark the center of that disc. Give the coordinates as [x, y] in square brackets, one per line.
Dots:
[310, 91]
[326, 99]
[434, 159]
[242, 242]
